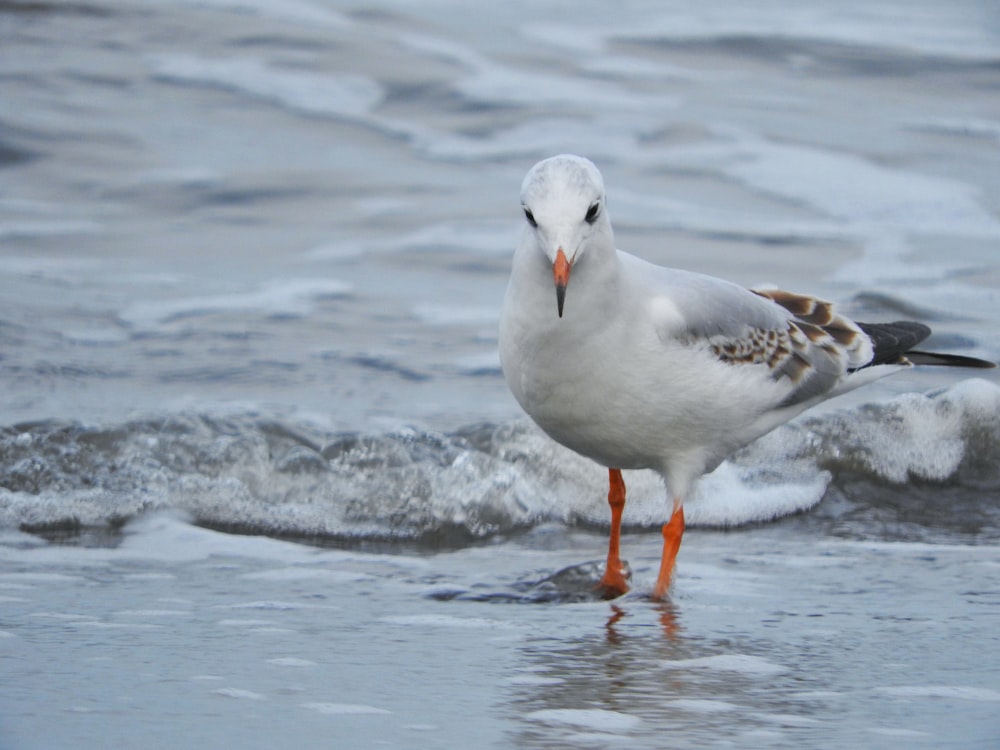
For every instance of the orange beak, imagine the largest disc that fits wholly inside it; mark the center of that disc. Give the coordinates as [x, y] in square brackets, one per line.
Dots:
[560, 272]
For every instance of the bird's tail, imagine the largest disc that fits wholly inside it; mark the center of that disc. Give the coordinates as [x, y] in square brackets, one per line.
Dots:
[893, 344]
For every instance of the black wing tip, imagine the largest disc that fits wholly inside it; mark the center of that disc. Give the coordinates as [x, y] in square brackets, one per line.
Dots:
[893, 344]
[948, 360]
[892, 341]
[902, 330]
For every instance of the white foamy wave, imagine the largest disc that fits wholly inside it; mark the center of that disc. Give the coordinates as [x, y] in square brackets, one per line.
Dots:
[292, 661]
[346, 709]
[284, 296]
[885, 259]
[600, 138]
[632, 68]
[297, 574]
[347, 250]
[485, 363]
[943, 692]
[861, 193]
[470, 236]
[971, 127]
[494, 83]
[443, 315]
[935, 437]
[701, 706]
[338, 95]
[32, 219]
[282, 10]
[735, 492]
[239, 694]
[185, 177]
[63, 269]
[745, 664]
[446, 621]
[597, 719]
[485, 80]
[251, 475]
[933, 30]
[899, 733]
[28, 230]
[637, 209]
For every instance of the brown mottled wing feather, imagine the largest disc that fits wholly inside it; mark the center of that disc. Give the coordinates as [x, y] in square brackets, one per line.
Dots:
[814, 348]
[823, 326]
[800, 340]
[816, 312]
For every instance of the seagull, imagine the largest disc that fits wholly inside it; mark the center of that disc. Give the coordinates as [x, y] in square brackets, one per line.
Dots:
[639, 366]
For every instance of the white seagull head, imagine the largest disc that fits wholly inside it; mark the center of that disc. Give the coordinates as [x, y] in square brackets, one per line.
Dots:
[565, 206]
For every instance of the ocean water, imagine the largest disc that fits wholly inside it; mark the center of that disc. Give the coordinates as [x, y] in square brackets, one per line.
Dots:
[261, 480]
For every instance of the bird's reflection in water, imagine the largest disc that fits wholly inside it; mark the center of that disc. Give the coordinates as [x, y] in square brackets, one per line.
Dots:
[612, 671]
[613, 636]
[669, 621]
[668, 618]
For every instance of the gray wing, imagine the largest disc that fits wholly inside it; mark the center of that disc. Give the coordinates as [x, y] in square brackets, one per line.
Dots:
[795, 338]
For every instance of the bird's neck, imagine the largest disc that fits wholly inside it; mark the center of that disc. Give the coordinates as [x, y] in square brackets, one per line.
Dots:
[595, 284]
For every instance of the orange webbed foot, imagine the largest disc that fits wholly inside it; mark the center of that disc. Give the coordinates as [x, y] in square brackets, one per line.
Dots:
[614, 582]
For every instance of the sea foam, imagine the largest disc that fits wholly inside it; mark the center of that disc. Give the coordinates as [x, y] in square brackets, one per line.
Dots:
[249, 474]
[337, 95]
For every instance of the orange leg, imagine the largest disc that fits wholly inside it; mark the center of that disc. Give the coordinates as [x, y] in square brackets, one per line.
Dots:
[613, 583]
[672, 533]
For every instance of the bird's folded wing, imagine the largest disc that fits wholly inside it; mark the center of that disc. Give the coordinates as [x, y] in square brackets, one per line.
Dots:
[800, 340]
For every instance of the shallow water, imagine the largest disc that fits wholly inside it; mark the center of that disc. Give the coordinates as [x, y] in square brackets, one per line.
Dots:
[185, 635]
[253, 255]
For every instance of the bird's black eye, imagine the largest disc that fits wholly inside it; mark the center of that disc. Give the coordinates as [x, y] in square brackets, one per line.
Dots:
[592, 212]
[530, 217]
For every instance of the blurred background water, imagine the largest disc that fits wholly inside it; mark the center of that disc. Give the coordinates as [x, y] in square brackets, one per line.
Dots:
[253, 254]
